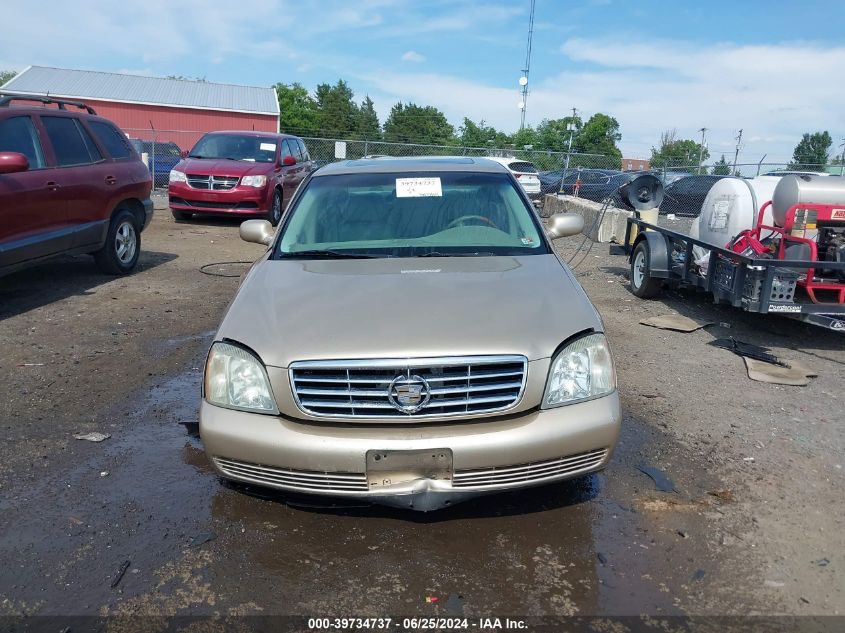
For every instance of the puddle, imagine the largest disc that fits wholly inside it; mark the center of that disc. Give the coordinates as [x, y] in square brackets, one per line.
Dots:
[586, 547]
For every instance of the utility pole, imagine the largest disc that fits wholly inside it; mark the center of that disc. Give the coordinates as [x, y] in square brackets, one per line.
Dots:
[523, 81]
[736, 154]
[571, 128]
[701, 149]
[842, 163]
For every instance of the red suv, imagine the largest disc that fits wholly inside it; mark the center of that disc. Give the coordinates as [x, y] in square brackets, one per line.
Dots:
[70, 182]
[239, 173]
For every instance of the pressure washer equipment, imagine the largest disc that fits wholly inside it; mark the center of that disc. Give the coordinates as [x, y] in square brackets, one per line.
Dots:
[808, 224]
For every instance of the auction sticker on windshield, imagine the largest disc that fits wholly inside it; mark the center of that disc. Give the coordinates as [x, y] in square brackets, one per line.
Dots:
[418, 188]
[268, 147]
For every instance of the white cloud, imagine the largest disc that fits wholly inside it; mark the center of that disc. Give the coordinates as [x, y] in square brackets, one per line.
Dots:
[413, 56]
[774, 92]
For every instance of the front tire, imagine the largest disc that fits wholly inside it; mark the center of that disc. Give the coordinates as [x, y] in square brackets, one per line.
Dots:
[274, 215]
[643, 285]
[120, 253]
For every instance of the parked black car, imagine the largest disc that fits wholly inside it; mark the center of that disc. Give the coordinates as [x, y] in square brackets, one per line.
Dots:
[686, 196]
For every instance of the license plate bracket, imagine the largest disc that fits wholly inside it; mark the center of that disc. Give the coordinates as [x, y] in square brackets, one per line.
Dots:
[391, 468]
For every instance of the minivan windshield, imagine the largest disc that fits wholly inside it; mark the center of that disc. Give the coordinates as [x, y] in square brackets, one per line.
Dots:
[256, 149]
[426, 214]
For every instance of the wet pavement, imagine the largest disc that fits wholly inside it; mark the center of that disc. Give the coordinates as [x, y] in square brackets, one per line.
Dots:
[148, 496]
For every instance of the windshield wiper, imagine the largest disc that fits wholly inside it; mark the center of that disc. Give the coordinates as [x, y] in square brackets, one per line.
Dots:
[438, 254]
[328, 255]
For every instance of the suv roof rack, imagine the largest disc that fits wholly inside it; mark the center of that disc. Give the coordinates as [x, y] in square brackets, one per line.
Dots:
[7, 99]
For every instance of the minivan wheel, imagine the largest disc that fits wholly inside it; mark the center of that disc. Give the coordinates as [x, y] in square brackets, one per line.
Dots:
[181, 216]
[275, 212]
[123, 244]
[643, 284]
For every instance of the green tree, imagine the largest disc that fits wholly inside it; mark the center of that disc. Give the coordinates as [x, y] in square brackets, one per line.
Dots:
[812, 151]
[298, 110]
[553, 134]
[338, 113]
[722, 167]
[675, 152]
[480, 135]
[6, 75]
[599, 135]
[525, 136]
[410, 123]
[368, 126]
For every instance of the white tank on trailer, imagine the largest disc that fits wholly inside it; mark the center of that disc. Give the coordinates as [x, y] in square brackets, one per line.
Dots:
[731, 206]
[792, 190]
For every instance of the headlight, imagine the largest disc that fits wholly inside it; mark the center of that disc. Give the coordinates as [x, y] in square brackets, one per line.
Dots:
[177, 176]
[254, 181]
[581, 371]
[236, 379]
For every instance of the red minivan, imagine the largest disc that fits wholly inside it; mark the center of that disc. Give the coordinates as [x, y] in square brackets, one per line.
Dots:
[239, 173]
[70, 182]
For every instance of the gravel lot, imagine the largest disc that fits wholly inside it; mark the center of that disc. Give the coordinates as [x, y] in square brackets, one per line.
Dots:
[755, 524]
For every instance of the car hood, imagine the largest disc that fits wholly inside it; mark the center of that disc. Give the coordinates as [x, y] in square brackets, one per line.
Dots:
[289, 310]
[221, 167]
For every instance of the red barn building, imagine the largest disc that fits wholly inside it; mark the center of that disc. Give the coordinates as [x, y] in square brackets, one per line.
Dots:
[175, 110]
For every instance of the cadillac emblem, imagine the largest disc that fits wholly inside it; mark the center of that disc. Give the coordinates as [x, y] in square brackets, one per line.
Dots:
[409, 394]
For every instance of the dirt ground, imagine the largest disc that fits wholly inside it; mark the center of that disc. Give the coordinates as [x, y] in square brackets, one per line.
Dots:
[754, 524]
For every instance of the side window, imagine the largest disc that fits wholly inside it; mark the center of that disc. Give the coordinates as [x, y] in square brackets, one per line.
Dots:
[110, 138]
[71, 144]
[18, 134]
[302, 150]
[286, 150]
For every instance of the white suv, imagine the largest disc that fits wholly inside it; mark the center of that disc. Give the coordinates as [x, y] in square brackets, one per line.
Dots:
[525, 173]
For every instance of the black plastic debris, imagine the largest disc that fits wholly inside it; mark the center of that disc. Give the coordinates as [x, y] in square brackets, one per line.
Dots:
[120, 572]
[748, 350]
[455, 604]
[602, 558]
[661, 481]
[202, 537]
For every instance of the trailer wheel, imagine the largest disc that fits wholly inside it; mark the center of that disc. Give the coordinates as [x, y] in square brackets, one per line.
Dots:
[643, 284]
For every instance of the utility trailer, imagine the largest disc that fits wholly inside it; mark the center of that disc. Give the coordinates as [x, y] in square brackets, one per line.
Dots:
[660, 257]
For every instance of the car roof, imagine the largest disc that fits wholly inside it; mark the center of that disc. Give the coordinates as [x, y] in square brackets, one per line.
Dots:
[507, 160]
[411, 164]
[275, 135]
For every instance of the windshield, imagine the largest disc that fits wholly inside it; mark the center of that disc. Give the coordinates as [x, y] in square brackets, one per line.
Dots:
[236, 147]
[411, 215]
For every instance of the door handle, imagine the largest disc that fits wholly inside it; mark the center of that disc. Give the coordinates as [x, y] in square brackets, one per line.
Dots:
[53, 186]
[110, 180]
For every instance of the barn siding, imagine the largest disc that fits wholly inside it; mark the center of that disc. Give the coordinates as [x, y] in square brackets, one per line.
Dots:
[182, 126]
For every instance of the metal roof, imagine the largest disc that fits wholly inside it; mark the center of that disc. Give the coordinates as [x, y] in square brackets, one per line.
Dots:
[411, 164]
[176, 93]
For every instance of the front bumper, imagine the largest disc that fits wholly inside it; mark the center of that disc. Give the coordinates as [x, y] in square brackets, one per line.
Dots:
[488, 455]
[239, 200]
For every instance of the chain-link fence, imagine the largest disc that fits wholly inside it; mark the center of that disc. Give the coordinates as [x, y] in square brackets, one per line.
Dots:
[162, 149]
[593, 176]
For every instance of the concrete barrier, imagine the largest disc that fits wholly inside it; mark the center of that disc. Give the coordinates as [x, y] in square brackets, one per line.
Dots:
[610, 229]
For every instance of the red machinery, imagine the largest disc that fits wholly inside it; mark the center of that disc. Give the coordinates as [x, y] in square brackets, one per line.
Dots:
[804, 230]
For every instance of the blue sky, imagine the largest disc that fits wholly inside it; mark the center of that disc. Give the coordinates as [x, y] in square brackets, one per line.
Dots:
[772, 68]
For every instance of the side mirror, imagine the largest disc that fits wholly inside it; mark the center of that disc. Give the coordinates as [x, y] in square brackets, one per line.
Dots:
[13, 162]
[257, 231]
[564, 225]
[184, 153]
[287, 161]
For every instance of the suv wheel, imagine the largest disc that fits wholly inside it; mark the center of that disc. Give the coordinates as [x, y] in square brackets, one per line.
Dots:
[275, 212]
[123, 244]
[181, 216]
